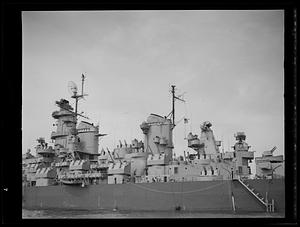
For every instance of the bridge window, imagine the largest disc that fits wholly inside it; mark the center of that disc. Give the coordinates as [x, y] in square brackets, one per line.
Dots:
[175, 170]
[240, 169]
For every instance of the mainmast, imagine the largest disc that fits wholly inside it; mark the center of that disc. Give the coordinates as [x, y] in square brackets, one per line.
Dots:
[82, 82]
[173, 104]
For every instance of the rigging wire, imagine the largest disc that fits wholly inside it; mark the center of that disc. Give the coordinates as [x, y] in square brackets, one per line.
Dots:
[186, 119]
[178, 192]
[188, 106]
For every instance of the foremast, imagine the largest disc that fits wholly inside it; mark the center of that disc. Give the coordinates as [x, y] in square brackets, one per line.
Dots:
[76, 96]
[66, 139]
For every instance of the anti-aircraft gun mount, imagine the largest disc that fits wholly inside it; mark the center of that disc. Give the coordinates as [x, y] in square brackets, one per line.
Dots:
[242, 155]
[240, 145]
[43, 149]
[206, 144]
[194, 142]
[269, 166]
[205, 126]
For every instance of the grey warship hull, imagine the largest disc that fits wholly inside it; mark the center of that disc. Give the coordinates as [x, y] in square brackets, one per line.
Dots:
[190, 196]
[208, 180]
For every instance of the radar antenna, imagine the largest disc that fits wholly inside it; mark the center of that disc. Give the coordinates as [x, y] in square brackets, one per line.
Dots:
[72, 88]
[74, 92]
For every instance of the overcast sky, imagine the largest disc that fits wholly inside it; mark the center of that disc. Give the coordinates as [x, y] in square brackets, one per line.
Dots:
[229, 63]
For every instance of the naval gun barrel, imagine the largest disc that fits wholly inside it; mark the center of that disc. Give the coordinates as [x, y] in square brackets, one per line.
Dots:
[273, 149]
[119, 158]
[120, 143]
[110, 155]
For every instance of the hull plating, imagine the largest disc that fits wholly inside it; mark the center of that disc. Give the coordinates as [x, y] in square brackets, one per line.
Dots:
[190, 196]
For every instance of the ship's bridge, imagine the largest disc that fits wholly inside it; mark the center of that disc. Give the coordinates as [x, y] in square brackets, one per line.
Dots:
[58, 114]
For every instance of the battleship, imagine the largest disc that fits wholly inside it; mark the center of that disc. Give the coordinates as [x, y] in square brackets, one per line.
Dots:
[147, 175]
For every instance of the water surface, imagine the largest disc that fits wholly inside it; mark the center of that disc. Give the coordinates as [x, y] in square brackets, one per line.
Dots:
[69, 214]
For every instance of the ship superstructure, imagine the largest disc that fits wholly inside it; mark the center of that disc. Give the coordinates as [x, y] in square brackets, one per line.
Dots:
[269, 166]
[75, 160]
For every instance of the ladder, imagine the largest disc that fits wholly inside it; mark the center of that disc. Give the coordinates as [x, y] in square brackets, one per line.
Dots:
[269, 205]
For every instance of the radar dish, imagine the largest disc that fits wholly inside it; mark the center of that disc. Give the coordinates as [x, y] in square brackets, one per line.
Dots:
[72, 87]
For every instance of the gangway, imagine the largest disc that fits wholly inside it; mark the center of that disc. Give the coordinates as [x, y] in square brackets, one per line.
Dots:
[264, 201]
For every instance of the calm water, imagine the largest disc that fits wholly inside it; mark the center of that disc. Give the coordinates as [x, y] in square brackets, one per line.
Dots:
[67, 214]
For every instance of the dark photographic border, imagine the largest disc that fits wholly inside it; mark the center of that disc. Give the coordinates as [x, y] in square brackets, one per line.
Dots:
[11, 76]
